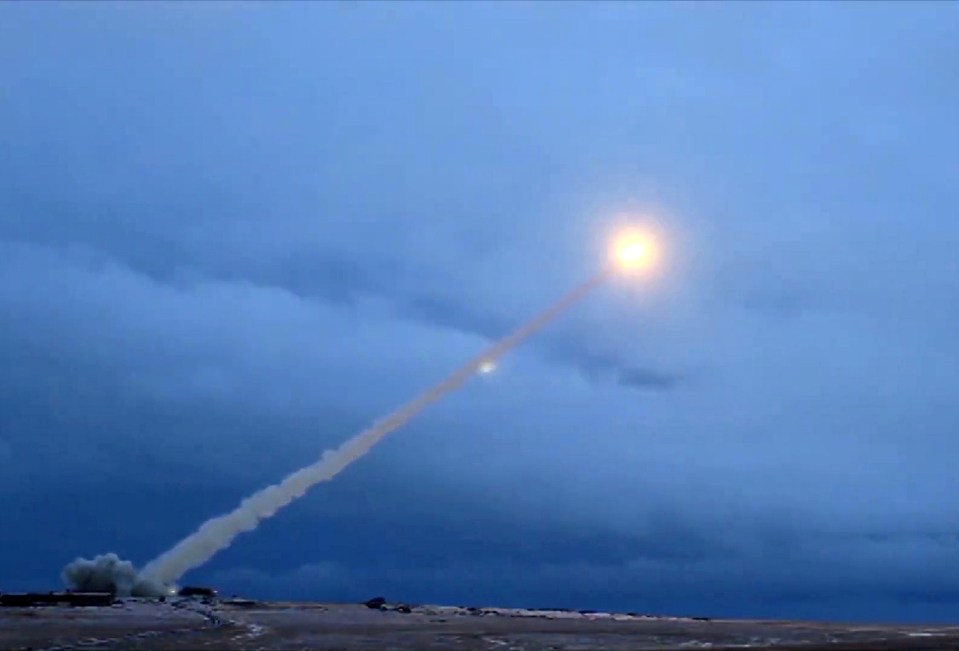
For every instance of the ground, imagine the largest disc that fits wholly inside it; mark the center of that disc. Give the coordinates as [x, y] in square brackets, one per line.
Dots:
[192, 624]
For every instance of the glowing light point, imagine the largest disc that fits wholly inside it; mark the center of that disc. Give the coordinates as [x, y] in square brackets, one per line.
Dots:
[487, 367]
[633, 252]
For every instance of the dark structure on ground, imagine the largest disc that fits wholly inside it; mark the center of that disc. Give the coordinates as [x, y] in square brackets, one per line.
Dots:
[376, 602]
[197, 591]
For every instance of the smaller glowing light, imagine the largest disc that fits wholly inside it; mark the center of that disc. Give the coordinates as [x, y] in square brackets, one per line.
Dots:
[487, 367]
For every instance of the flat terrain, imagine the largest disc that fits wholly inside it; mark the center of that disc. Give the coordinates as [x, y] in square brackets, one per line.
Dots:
[190, 624]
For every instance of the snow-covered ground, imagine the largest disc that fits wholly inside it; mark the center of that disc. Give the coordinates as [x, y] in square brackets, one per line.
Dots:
[194, 624]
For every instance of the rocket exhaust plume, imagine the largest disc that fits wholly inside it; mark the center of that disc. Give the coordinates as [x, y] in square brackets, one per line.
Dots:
[218, 533]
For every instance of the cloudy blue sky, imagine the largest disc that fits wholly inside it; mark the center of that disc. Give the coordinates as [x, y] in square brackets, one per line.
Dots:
[231, 235]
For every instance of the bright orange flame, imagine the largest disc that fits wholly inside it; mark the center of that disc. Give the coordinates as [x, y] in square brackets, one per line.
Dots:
[634, 251]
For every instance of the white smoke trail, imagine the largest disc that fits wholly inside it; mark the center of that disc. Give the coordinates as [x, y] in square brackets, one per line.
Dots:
[218, 533]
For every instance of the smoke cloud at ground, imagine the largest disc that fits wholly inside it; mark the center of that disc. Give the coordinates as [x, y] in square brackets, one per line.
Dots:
[108, 573]
[219, 532]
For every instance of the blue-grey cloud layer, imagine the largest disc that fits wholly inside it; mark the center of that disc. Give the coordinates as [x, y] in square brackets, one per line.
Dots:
[232, 234]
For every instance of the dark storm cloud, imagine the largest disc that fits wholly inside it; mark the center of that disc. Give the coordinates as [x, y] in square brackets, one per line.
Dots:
[448, 313]
[782, 304]
[174, 254]
[648, 379]
[566, 348]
